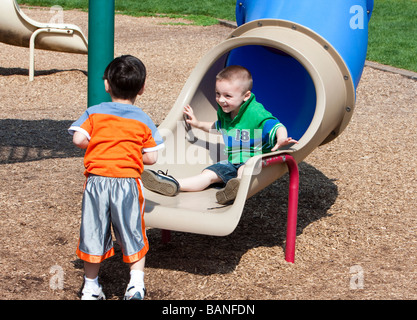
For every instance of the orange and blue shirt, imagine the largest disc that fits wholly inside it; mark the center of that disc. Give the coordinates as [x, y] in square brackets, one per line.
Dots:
[118, 134]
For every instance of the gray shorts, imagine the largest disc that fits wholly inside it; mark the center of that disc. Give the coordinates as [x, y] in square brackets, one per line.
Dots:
[117, 202]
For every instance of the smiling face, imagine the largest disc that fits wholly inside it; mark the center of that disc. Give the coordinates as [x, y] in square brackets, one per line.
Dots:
[230, 95]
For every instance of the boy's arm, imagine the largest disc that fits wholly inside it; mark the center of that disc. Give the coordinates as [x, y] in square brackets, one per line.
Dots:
[282, 138]
[150, 157]
[80, 140]
[194, 122]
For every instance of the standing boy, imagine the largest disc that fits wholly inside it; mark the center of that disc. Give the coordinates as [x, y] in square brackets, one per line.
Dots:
[119, 139]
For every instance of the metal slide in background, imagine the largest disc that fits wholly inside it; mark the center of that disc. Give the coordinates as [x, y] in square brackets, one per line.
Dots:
[17, 29]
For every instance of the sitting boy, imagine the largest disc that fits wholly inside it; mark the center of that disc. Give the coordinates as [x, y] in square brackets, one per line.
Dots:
[240, 119]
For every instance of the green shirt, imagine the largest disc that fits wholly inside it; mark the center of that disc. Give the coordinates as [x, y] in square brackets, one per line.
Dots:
[251, 132]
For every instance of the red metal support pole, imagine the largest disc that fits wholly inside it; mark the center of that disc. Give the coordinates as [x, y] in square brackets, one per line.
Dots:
[292, 201]
[292, 204]
[292, 209]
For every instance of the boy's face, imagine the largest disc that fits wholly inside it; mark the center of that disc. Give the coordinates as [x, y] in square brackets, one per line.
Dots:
[230, 96]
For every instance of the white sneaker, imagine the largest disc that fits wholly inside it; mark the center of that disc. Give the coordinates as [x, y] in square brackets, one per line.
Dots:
[90, 294]
[134, 293]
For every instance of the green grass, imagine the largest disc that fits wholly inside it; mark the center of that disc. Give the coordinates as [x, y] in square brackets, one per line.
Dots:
[198, 11]
[393, 33]
[392, 30]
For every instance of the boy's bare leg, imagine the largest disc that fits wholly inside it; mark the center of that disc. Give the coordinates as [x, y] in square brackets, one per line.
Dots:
[138, 265]
[91, 269]
[92, 289]
[199, 182]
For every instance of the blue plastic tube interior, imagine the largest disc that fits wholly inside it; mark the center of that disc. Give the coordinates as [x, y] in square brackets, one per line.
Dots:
[281, 84]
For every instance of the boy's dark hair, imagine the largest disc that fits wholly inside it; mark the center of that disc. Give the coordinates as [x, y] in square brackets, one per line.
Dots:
[126, 76]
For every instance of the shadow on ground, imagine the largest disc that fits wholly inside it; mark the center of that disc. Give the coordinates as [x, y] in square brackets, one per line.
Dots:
[32, 140]
[25, 72]
[263, 224]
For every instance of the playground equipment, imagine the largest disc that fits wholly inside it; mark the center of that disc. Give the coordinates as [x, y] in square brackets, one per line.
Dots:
[306, 58]
[101, 49]
[19, 30]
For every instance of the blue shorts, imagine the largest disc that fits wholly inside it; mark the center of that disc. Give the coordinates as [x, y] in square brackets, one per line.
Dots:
[225, 170]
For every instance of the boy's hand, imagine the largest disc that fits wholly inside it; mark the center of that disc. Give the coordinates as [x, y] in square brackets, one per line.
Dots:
[283, 142]
[282, 139]
[191, 119]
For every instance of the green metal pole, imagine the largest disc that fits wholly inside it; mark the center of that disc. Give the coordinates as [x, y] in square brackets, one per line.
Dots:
[100, 47]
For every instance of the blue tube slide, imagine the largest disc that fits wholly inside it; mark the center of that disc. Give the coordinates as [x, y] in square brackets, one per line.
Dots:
[344, 26]
[306, 58]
